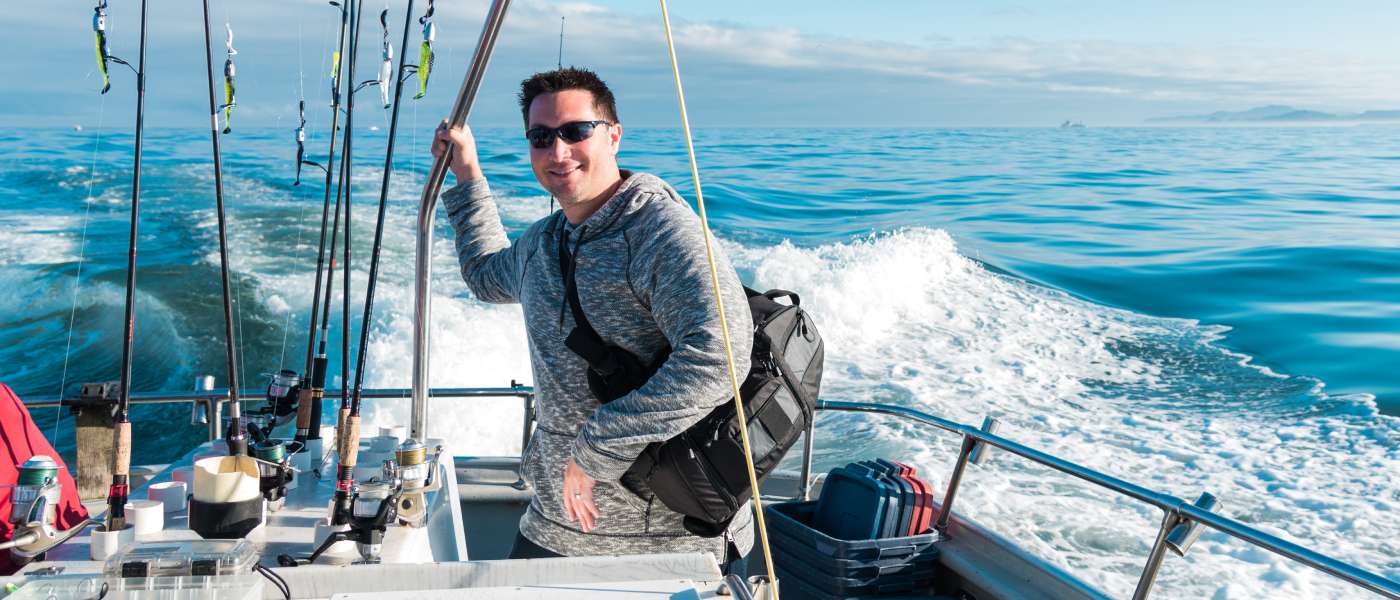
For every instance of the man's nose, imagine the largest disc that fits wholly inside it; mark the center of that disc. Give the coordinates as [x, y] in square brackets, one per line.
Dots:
[559, 149]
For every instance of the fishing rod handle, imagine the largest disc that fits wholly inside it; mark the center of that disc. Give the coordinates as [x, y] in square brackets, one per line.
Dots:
[350, 442]
[305, 397]
[121, 446]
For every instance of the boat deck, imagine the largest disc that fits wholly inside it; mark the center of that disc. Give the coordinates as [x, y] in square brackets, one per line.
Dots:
[416, 561]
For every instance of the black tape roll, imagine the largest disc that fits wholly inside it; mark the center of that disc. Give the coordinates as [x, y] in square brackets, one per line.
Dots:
[225, 520]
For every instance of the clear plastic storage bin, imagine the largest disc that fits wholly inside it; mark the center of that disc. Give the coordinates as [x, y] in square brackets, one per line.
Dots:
[187, 570]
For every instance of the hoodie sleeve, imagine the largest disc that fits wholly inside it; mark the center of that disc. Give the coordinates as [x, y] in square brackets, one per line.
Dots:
[672, 275]
[487, 257]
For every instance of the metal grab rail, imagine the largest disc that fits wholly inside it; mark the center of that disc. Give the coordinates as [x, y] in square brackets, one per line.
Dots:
[427, 207]
[213, 401]
[221, 394]
[1176, 511]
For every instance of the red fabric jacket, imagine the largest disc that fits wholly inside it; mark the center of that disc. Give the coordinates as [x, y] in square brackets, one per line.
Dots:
[21, 439]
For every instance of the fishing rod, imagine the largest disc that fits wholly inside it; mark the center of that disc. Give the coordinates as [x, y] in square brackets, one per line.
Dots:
[404, 70]
[348, 434]
[121, 431]
[313, 379]
[237, 443]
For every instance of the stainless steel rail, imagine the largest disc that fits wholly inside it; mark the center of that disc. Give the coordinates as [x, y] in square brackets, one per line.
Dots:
[221, 394]
[213, 401]
[427, 211]
[1175, 510]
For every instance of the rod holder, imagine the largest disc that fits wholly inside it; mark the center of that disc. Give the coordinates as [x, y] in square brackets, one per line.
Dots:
[990, 425]
[199, 414]
[1185, 533]
[199, 411]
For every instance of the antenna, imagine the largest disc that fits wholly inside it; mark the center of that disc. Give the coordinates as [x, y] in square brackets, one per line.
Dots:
[560, 64]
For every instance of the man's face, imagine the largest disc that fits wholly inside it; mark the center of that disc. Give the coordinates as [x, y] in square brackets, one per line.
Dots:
[574, 173]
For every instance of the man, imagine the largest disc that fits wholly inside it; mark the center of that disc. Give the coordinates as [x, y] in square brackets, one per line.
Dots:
[644, 284]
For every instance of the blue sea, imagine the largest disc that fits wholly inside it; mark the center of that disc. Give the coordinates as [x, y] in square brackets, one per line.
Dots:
[1192, 309]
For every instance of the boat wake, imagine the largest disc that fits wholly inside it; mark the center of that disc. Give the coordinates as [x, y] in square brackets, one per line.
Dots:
[907, 319]
[1159, 402]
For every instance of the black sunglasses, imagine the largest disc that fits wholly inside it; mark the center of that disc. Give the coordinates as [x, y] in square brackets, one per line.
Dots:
[572, 133]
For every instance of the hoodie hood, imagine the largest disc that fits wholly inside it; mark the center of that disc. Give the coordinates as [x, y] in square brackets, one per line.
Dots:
[636, 190]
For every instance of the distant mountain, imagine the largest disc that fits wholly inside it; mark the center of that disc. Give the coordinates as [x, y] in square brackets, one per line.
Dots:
[1279, 113]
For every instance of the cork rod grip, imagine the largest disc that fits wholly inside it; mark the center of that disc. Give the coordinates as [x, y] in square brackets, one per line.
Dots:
[121, 449]
[350, 442]
[304, 409]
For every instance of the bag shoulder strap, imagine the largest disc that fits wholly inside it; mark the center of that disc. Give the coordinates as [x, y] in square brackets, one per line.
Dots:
[591, 346]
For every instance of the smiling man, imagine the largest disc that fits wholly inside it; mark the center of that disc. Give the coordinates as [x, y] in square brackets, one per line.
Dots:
[627, 254]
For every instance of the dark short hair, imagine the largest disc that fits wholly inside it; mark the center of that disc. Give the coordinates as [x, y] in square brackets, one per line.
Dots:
[568, 78]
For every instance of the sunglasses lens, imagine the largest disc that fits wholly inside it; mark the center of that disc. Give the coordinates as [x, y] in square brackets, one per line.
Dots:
[574, 133]
[540, 137]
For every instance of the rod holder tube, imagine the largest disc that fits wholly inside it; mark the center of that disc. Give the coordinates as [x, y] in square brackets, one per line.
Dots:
[990, 425]
[1181, 537]
[427, 207]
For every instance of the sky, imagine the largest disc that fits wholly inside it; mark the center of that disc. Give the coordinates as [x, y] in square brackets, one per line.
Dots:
[766, 63]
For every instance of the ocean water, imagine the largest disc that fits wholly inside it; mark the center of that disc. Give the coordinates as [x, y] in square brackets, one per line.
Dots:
[1188, 309]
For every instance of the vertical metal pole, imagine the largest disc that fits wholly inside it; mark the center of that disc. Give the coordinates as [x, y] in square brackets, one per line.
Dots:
[1154, 558]
[211, 416]
[806, 491]
[427, 206]
[946, 511]
[529, 419]
[218, 421]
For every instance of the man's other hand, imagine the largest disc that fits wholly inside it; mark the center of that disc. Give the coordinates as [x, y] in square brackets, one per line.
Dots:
[578, 497]
[463, 162]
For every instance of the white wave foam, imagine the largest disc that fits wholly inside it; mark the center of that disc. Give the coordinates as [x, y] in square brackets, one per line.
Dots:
[42, 240]
[909, 321]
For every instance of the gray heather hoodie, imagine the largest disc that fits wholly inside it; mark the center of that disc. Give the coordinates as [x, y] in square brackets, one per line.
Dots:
[644, 283]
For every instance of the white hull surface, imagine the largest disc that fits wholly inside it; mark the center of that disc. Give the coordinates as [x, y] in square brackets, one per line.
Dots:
[416, 562]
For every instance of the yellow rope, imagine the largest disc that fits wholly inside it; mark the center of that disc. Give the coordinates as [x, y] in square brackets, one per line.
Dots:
[719, 303]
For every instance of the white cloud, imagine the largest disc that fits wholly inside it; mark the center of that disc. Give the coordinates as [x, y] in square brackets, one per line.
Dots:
[747, 74]
[1133, 71]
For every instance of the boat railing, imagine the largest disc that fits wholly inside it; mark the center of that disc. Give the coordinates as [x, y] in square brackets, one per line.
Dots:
[1181, 520]
[209, 404]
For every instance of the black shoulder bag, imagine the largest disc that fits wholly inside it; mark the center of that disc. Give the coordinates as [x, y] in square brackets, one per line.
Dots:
[700, 473]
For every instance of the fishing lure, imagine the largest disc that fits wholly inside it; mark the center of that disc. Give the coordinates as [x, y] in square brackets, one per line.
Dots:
[386, 68]
[228, 81]
[99, 30]
[425, 52]
[301, 139]
[335, 54]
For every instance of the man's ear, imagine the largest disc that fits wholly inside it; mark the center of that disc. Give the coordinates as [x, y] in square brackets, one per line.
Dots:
[615, 137]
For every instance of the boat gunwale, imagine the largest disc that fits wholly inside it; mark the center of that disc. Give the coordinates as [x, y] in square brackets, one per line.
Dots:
[1176, 511]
